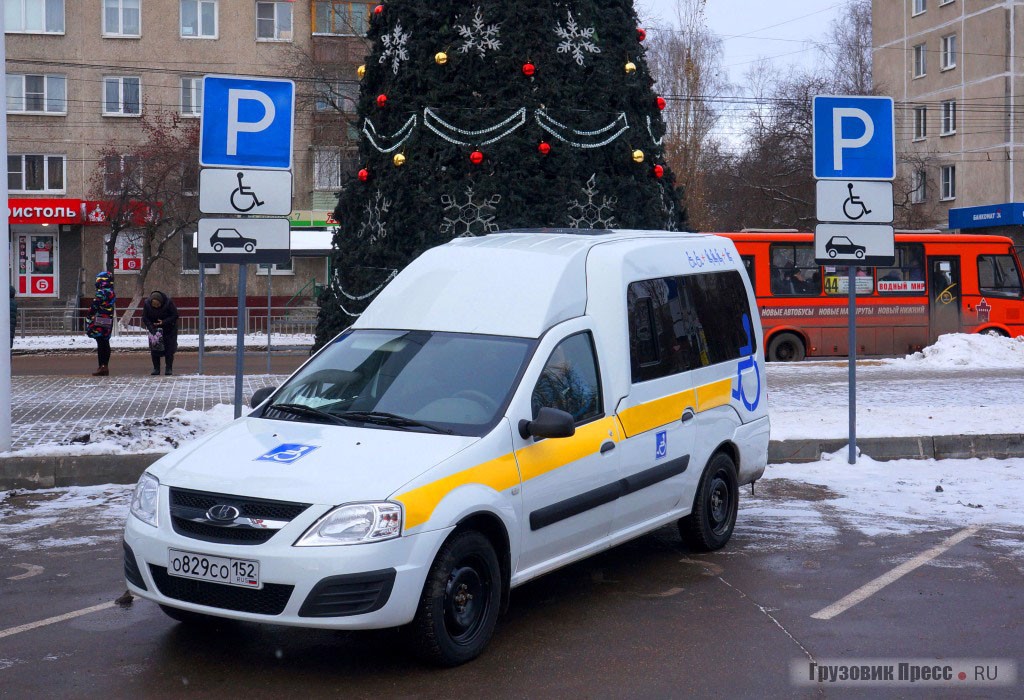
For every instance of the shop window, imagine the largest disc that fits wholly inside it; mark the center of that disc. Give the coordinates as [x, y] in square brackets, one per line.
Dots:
[190, 257]
[793, 270]
[36, 173]
[336, 96]
[274, 21]
[191, 96]
[37, 94]
[344, 18]
[121, 18]
[998, 276]
[34, 16]
[122, 96]
[199, 19]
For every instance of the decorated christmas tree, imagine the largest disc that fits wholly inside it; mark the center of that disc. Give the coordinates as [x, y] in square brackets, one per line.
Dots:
[490, 115]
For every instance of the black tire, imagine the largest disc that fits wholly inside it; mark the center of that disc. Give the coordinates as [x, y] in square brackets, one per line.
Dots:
[187, 617]
[249, 247]
[832, 252]
[461, 598]
[859, 254]
[786, 347]
[710, 524]
[217, 247]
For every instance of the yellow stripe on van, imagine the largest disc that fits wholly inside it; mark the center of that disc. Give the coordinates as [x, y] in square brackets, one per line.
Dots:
[548, 455]
[647, 416]
[714, 394]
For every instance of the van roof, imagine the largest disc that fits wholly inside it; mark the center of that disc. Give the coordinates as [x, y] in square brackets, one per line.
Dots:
[517, 283]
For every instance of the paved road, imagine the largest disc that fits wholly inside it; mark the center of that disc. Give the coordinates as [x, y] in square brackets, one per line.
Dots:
[646, 620]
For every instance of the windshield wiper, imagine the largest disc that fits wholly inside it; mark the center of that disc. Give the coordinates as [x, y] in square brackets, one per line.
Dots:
[299, 409]
[392, 420]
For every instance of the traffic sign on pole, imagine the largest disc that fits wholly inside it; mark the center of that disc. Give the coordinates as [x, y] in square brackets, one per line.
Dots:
[861, 244]
[247, 122]
[854, 138]
[250, 192]
[854, 201]
[242, 241]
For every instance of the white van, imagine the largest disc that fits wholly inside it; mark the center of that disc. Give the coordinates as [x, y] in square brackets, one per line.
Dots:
[507, 405]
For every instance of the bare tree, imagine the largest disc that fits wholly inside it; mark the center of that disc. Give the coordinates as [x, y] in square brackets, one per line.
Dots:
[847, 50]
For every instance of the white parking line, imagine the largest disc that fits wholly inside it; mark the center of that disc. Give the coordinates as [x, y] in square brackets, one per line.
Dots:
[53, 620]
[872, 587]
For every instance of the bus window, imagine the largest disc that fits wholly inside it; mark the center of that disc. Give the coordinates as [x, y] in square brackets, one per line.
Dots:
[998, 276]
[837, 280]
[907, 274]
[793, 270]
[748, 265]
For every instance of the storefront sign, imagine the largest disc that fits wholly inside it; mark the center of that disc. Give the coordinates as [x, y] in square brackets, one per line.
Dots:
[99, 213]
[127, 251]
[44, 211]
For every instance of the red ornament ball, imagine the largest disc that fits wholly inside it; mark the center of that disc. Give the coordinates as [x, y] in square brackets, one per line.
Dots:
[529, 69]
[544, 148]
[363, 175]
[383, 100]
[476, 157]
[378, 10]
[640, 34]
[659, 171]
[661, 102]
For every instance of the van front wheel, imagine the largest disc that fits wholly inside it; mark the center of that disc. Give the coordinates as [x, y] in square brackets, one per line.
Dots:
[709, 525]
[786, 347]
[458, 610]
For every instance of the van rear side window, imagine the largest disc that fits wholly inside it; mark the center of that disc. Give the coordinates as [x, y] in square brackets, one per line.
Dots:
[690, 321]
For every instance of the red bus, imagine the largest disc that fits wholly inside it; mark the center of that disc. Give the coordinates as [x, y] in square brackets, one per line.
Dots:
[938, 283]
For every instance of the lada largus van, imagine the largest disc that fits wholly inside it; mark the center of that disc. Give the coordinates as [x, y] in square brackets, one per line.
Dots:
[507, 405]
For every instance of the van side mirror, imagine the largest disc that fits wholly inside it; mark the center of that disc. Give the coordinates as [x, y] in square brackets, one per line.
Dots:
[260, 395]
[550, 423]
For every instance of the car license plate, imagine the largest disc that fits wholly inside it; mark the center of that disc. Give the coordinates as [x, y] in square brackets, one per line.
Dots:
[233, 572]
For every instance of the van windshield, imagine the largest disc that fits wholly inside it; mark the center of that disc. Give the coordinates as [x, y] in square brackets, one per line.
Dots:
[407, 380]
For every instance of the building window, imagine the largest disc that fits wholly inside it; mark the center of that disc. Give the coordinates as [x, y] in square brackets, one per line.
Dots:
[122, 96]
[34, 16]
[945, 2]
[920, 64]
[948, 118]
[199, 19]
[949, 52]
[345, 18]
[274, 21]
[338, 96]
[40, 94]
[327, 169]
[948, 180]
[122, 175]
[36, 173]
[191, 96]
[121, 18]
[920, 123]
[919, 185]
[190, 257]
[276, 268]
[920, 6]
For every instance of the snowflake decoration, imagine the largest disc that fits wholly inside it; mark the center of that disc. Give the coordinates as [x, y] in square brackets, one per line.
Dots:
[395, 49]
[479, 37]
[469, 218]
[373, 224]
[576, 40]
[590, 214]
[669, 205]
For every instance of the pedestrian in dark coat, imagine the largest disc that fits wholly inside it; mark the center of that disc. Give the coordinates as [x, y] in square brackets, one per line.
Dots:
[160, 316]
[99, 322]
[14, 316]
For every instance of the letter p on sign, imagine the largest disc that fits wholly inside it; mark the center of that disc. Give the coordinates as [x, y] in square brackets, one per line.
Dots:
[247, 122]
[854, 138]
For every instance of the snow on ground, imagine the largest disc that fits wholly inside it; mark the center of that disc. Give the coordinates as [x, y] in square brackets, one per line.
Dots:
[959, 350]
[102, 509]
[139, 341]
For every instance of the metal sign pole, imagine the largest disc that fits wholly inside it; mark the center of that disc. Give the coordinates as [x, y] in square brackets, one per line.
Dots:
[5, 357]
[270, 291]
[202, 313]
[240, 340]
[852, 276]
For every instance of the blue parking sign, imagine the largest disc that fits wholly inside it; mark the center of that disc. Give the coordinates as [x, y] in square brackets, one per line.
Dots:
[247, 122]
[854, 138]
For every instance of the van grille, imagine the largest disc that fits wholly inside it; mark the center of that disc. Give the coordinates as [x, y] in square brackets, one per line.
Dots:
[269, 600]
[188, 517]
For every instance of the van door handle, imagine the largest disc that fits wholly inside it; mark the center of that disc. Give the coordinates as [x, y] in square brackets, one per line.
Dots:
[607, 447]
[687, 416]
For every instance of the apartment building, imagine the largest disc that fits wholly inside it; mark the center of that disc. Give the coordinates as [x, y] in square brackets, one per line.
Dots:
[956, 71]
[82, 73]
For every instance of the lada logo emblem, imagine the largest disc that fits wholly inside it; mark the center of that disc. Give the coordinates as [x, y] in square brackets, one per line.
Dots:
[223, 514]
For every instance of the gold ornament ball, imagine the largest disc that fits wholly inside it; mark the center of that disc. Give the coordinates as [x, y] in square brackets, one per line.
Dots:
[361, 71]
[398, 160]
[630, 67]
[638, 156]
[440, 58]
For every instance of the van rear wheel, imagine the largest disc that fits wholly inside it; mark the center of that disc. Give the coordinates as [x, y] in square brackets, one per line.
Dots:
[710, 524]
[786, 347]
[458, 609]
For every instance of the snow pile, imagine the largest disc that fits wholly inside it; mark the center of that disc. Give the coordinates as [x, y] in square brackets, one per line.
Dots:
[99, 509]
[139, 341]
[959, 350]
[147, 435]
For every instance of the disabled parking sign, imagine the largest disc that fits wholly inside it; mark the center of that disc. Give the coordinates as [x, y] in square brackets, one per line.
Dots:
[247, 122]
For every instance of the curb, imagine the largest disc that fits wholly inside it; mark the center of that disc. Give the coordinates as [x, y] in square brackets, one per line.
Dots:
[90, 470]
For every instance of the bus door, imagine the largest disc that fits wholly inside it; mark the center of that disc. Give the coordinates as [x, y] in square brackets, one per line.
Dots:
[944, 290]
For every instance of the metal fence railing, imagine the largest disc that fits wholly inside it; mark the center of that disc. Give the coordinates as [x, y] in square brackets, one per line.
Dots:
[59, 321]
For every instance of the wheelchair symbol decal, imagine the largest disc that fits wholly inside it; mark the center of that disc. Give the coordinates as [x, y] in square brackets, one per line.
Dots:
[660, 444]
[747, 352]
[287, 453]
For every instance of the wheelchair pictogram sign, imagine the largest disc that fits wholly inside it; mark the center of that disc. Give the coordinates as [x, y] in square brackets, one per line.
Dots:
[748, 361]
[287, 453]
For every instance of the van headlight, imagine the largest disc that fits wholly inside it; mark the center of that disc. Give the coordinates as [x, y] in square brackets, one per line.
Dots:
[355, 523]
[146, 499]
